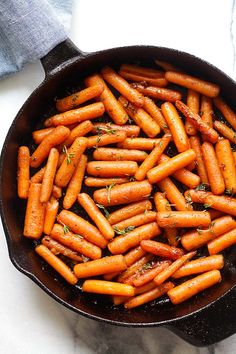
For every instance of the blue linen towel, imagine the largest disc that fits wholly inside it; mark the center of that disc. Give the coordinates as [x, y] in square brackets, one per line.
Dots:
[29, 29]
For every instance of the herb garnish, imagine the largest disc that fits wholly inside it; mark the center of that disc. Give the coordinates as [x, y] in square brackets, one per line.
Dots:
[201, 187]
[107, 214]
[66, 229]
[123, 231]
[68, 155]
[109, 188]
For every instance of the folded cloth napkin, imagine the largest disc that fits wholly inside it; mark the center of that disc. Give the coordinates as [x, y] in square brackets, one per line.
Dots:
[29, 29]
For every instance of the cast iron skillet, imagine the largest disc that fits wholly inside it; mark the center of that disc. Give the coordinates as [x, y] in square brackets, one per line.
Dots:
[203, 320]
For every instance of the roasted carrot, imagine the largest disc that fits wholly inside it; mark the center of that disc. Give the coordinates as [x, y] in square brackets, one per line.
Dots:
[158, 93]
[206, 112]
[193, 286]
[161, 249]
[159, 81]
[193, 102]
[215, 214]
[227, 132]
[56, 192]
[52, 207]
[150, 274]
[123, 193]
[38, 176]
[23, 172]
[137, 220]
[183, 219]
[57, 264]
[227, 112]
[129, 211]
[142, 70]
[104, 128]
[39, 135]
[112, 168]
[80, 130]
[106, 139]
[221, 203]
[166, 65]
[115, 154]
[103, 182]
[222, 242]
[131, 271]
[139, 143]
[204, 87]
[35, 211]
[195, 144]
[49, 175]
[107, 287]
[176, 126]
[213, 170]
[196, 196]
[58, 248]
[155, 112]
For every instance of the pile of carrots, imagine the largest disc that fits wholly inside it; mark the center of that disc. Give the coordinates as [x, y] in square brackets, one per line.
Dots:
[150, 209]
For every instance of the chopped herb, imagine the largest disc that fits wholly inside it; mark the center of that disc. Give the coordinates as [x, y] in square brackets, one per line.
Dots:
[200, 113]
[234, 136]
[97, 168]
[206, 206]
[147, 266]
[79, 236]
[212, 223]
[201, 187]
[132, 179]
[66, 229]
[107, 214]
[123, 231]
[68, 155]
[109, 188]
[188, 198]
[199, 231]
[106, 129]
[85, 259]
[129, 121]
[228, 191]
[167, 216]
[161, 144]
[145, 212]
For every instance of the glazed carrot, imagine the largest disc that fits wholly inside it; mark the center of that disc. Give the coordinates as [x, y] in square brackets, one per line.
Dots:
[117, 300]
[57, 248]
[52, 207]
[56, 192]
[198, 238]
[196, 196]
[183, 219]
[227, 112]
[103, 182]
[167, 273]
[57, 264]
[166, 65]
[151, 108]
[149, 296]
[38, 176]
[127, 274]
[78, 115]
[200, 265]
[162, 204]
[75, 184]
[150, 274]
[23, 172]
[129, 211]
[114, 154]
[176, 126]
[74, 100]
[112, 106]
[107, 287]
[123, 193]
[35, 210]
[226, 162]
[137, 220]
[112, 168]
[205, 88]
[167, 168]
[193, 286]
[159, 81]
[82, 227]
[209, 133]
[49, 175]
[75, 242]
[158, 93]
[61, 157]
[68, 166]
[220, 243]
[39, 135]
[215, 214]
[139, 143]
[193, 102]
[227, 132]
[100, 266]
[213, 170]
[161, 249]
[122, 243]
[141, 70]
[183, 175]
[141, 118]
[207, 112]
[174, 196]
[222, 203]
[152, 158]
[106, 139]
[103, 128]
[97, 217]
[80, 130]
[56, 137]
[122, 86]
[195, 144]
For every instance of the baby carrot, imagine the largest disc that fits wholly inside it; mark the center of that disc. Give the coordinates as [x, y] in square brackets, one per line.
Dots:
[75, 184]
[38, 176]
[141, 70]
[39, 135]
[112, 106]
[127, 275]
[183, 219]
[167, 273]
[151, 108]
[221, 203]
[209, 133]
[74, 100]
[206, 112]
[196, 196]
[161, 249]
[150, 274]
[58, 248]
[193, 286]
[56, 192]
[80, 130]
[103, 128]
[107, 287]
[193, 102]
[222, 242]
[166, 65]
[227, 132]
[95, 214]
[56, 137]
[139, 143]
[205, 88]
[152, 158]
[195, 144]
[137, 220]
[75, 242]
[213, 170]
[52, 207]
[167, 168]
[122, 86]
[200, 265]
[114, 154]
[129, 211]
[112, 168]
[57, 264]
[49, 175]
[158, 93]
[227, 112]
[103, 182]
[23, 172]
[100, 266]
[82, 227]
[176, 126]
[159, 81]
[123, 193]
[106, 139]
[35, 210]
[226, 162]
[68, 166]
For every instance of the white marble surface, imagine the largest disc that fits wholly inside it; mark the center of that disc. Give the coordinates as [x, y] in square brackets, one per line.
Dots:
[31, 322]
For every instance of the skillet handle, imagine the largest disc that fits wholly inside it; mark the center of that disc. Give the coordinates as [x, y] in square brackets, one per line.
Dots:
[60, 56]
[210, 325]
